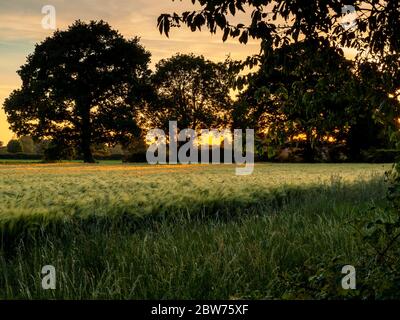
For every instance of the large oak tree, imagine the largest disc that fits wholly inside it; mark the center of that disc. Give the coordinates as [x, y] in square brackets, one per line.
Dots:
[80, 87]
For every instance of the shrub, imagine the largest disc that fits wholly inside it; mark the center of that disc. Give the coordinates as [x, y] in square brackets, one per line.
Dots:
[14, 146]
[20, 156]
[57, 151]
[380, 155]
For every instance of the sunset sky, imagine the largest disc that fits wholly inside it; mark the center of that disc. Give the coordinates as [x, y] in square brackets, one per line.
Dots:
[20, 29]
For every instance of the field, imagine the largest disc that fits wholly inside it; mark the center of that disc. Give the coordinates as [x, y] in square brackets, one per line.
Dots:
[117, 231]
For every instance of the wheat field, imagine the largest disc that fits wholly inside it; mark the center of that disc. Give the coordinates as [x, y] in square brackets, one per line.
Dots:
[176, 231]
[70, 189]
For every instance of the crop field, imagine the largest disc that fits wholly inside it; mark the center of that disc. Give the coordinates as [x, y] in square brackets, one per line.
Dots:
[117, 231]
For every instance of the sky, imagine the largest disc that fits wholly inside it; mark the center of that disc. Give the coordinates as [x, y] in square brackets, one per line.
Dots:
[21, 29]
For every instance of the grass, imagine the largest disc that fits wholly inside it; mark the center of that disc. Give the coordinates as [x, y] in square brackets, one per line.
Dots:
[177, 232]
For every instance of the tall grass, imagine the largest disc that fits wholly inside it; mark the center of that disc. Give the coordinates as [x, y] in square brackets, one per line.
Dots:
[177, 232]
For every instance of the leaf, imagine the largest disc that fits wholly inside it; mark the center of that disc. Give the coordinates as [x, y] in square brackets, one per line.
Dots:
[226, 34]
[166, 27]
[232, 8]
[220, 20]
[244, 37]
[199, 20]
[235, 32]
[163, 24]
[240, 7]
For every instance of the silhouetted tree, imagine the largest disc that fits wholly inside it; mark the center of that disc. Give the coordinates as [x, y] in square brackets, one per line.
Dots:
[278, 23]
[191, 90]
[309, 88]
[281, 22]
[80, 87]
[14, 146]
[376, 111]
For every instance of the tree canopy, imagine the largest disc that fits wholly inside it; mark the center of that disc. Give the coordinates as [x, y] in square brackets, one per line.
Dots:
[276, 23]
[283, 21]
[281, 25]
[80, 87]
[191, 90]
[309, 88]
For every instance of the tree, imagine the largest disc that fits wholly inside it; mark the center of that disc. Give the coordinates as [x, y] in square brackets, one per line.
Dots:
[296, 18]
[190, 90]
[376, 112]
[1, 144]
[14, 146]
[281, 22]
[374, 34]
[309, 88]
[28, 146]
[80, 87]
[278, 23]
[300, 89]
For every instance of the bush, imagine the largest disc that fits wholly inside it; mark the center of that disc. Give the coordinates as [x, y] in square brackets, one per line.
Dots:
[20, 156]
[380, 155]
[115, 157]
[14, 146]
[28, 146]
[135, 157]
[57, 151]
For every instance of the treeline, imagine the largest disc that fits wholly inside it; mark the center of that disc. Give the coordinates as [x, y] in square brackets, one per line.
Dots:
[26, 148]
[88, 92]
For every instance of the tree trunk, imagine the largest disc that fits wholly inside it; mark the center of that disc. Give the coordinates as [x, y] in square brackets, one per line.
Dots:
[87, 152]
[86, 135]
[309, 155]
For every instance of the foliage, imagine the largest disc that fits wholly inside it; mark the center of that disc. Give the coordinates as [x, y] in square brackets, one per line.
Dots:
[12, 158]
[307, 19]
[380, 155]
[58, 150]
[310, 89]
[14, 146]
[80, 86]
[302, 88]
[280, 22]
[281, 25]
[376, 110]
[27, 143]
[191, 90]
